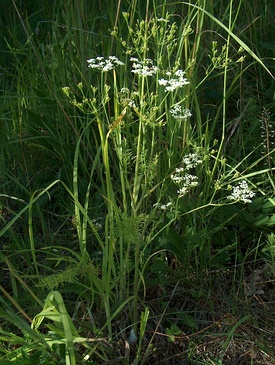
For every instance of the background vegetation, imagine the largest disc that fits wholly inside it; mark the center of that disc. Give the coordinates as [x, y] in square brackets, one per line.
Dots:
[137, 189]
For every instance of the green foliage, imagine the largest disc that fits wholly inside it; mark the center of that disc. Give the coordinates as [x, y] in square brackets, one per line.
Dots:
[172, 332]
[160, 146]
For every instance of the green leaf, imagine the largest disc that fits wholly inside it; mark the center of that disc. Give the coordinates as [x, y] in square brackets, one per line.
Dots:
[262, 220]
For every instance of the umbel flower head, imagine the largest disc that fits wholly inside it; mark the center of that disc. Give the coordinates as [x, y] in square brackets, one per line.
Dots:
[143, 68]
[174, 83]
[179, 113]
[185, 182]
[183, 178]
[104, 65]
[242, 193]
[191, 160]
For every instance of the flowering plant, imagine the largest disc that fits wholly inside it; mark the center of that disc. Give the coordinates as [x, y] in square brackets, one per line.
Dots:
[175, 82]
[104, 65]
[242, 193]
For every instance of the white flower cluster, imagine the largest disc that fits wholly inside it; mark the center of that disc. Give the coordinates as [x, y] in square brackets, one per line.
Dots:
[104, 65]
[144, 68]
[174, 83]
[242, 193]
[179, 113]
[191, 160]
[184, 180]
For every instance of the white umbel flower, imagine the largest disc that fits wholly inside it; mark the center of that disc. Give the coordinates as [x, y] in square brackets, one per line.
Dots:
[143, 68]
[242, 193]
[174, 83]
[104, 65]
[179, 113]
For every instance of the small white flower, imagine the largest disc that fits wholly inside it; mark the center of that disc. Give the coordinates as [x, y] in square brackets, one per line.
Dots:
[163, 82]
[242, 193]
[191, 160]
[104, 65]
[182, 191]
[174, 83]
[179, 113]
[179, 73]
[190, 180]
[182, 178]
[177, 178]
[184, 181]
[144, 68]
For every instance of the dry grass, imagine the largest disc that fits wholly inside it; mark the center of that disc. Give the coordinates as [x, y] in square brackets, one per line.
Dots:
[218, 324]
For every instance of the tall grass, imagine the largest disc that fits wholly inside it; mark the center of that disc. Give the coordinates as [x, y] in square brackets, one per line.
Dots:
[109, 171]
